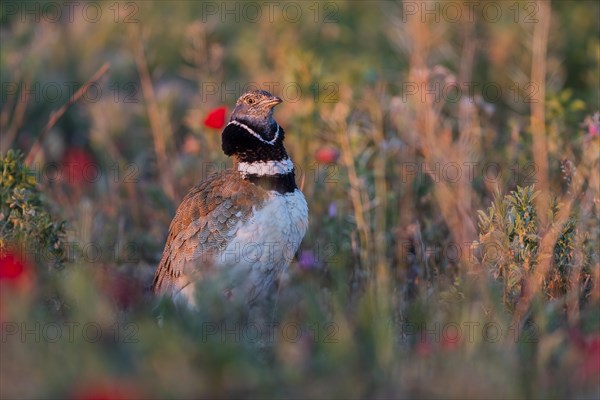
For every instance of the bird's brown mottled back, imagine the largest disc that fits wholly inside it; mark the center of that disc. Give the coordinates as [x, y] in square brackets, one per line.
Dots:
[204, 224]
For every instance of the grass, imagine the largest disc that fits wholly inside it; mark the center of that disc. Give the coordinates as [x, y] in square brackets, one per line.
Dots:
[451, 172]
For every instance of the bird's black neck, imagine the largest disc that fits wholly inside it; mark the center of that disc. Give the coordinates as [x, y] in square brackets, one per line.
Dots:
[281, 183]
[248, 143]
[260, 156]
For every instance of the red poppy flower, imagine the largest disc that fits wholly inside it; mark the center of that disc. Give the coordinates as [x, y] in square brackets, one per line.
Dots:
[106, 390]
[216, 118]
[593, 130]
[327, 155]
[78, 167]
[591, 364]
[15, 271]
[423, 348]
[589, 348]
[120, 288]
[450, 342]
[11, 267]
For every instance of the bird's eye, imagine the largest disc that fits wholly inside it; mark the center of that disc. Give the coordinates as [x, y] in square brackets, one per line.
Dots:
[250, 101]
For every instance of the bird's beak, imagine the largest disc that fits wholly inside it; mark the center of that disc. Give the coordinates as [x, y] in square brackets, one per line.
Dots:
[273, 101]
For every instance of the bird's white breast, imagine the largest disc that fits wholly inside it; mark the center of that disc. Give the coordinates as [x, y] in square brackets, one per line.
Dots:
[262, 247]
[282, 220]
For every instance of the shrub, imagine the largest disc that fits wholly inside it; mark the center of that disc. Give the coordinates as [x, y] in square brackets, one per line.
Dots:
[510, 235]
[24, 219]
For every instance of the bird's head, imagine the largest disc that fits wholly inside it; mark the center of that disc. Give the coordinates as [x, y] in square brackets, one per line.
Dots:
[252, 134]
[256, 109]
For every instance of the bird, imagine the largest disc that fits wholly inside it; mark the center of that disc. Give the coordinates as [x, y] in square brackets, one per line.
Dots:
[239, 229]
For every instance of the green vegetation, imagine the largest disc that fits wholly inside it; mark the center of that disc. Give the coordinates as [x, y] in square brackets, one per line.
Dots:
[451, 167]
[23, 218]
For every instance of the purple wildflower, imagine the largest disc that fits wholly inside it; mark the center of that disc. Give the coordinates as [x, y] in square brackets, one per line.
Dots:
[307, 259]
[332, 210]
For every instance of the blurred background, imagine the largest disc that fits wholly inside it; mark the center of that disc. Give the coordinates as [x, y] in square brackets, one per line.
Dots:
[448, 152]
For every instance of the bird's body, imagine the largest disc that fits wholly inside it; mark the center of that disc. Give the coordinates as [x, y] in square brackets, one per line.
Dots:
[240, 228]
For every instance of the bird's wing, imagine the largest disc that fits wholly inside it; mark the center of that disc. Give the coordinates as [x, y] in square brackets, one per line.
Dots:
[204, 223]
